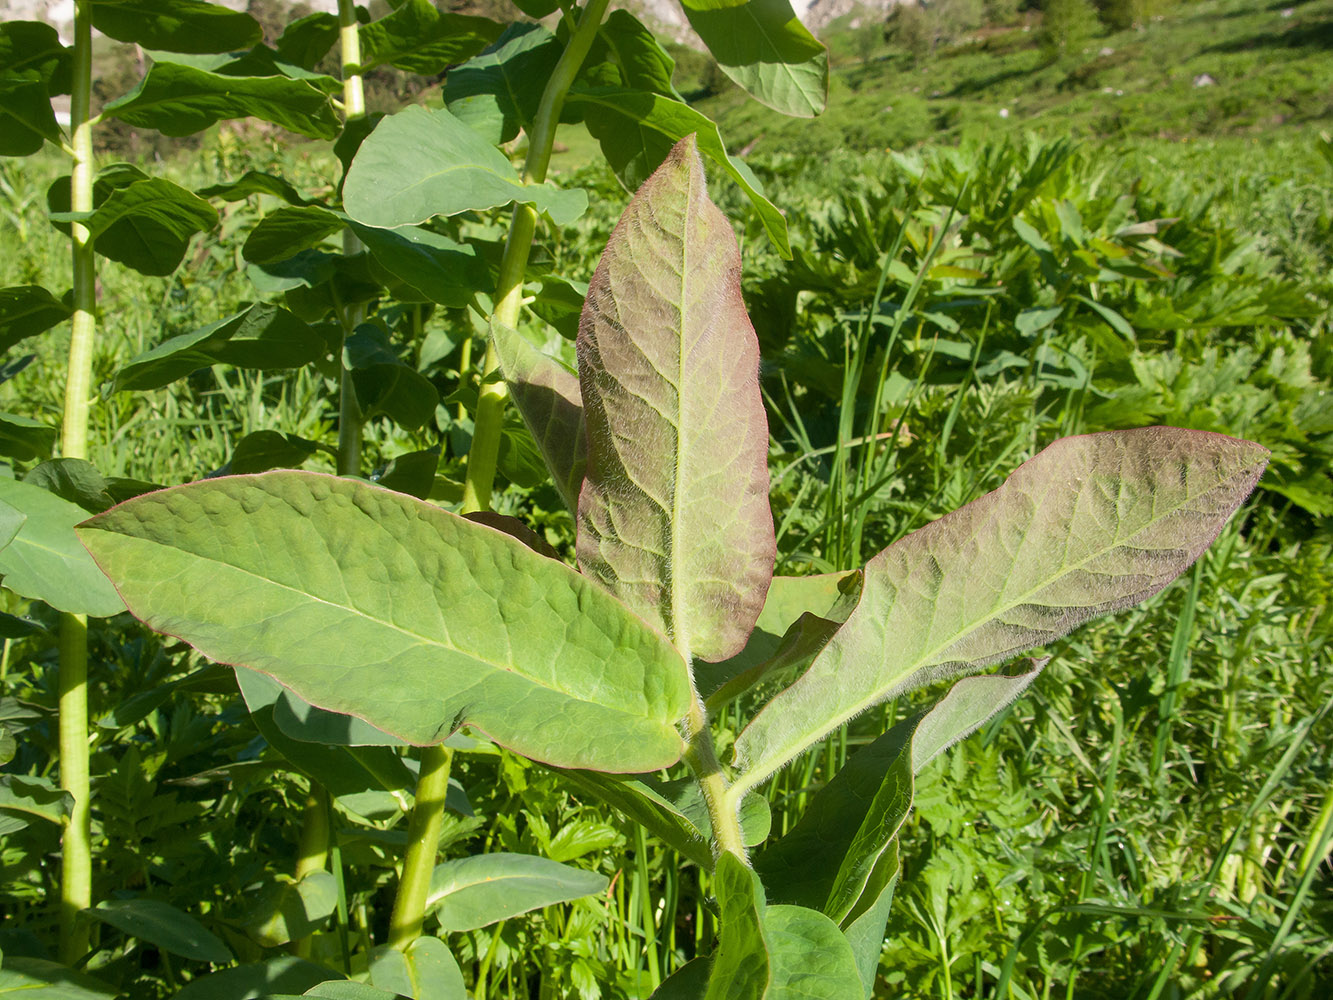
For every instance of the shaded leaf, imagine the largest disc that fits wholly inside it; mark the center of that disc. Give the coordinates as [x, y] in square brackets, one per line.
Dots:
[444, 271]
[741, 963]
[27, 310]
[560, 303]
[75, 480]
[308, 39]
[264, 450]
[673, 516]
[175, 25]
[25, 439]
[289, 910]
[384, 383]
[254, 182]
[25, 116]
[246, 982]
[476, 891]
[287, 231]
[687, 983]
[409, 627]
[38, 979]
[1091, 524]
[162, 925]
[34, 796]
[497, 92]
[425, 970]
[421, 38]
[33, 50]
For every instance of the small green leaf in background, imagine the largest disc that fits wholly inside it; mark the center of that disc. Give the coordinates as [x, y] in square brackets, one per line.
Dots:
[247, 982]
[75, 480]
[254, 182]
[179, 100]
[418, 164]
[497, 92]
[162, 925]
[425, 970]
[288, 910]
[384, 383]
[307, 40]
[34, 796]
[287, 231]
[689, 982]
[25, 439]
[45, 561]
[27, 310]
[420, 38]
[444, 271]
[175, 25]
[473, 892]
[264, 450]
[38, 979]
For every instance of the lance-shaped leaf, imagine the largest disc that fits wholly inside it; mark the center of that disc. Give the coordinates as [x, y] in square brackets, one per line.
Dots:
[421, 38]
[254, 182]
[307, 40]
[418, 164]
[473, 892]
[673, 517]
[180, 100]
[26, 310]
[766, 50]
[176, 25]
[444, 271]
[26, 118]
[287, 231]
[374, 604]
[32, 50]
[1090, 525]
[548, 398]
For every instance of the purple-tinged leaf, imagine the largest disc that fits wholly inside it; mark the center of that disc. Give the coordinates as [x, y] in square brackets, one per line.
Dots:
[673, 517]
[1090, 525]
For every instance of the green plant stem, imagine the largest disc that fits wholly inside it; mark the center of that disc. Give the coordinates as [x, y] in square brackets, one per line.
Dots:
[354, 100]
[723, 806]
[350, 417]
[76, 846]
[491, 399]
[312, 855]
[423, 840]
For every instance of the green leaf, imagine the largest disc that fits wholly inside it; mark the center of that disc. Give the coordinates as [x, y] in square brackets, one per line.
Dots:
[537, 8]
[162, 925]
[32, 50]
[11, 520]
[254, 182]
[38, 979]
[473, 892]
[689, 982]
[768, 52]
[643, 63]
[287, 231]
[444, 271]
[33, 796]
[741, 964]
[338, 989]
[384, 384]
[309, 39]
[547, 397]
[75, 480]
[636, 130]
[179, 100]
[303, 721]
[409, 628]
[289, 910]
[810, 959]
[1113, 319]
[426, 970]
[27, 310]
[175, 25]
[673, 516]
[263, 337]
[418, 164]
[421, 38]
[865, 927]
[146, 225]
[560, 303]
[264, 450]
[26, 118]
[497, 92]
[247, 982]
[25, 439]
[1090, 525]
[45, 561]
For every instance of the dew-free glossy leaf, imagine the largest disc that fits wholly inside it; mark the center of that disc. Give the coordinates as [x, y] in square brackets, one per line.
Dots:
[421, 38]
[425, 970]
[497, 92]
[175, 25]
[476, 891]
[418, 164]
[673, 517]
[162, 925]
[377, 605]
[246, 982]
[37, 979]
[34, 796]
[27, 310]
[254, 182]
[741, 963]
[637, 128]
[180, 100]
[440, 269]
[766, 50]
[307, 40]
[1090, 525]
[547, 397]
[809, 957]
[287, 231]
[25, 439]
[289, 910]
[45, 560]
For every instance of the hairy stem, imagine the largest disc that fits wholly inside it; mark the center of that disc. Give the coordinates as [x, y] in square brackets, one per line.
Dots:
[723, 806]
[423, 840]
[76, 848]
[522, 227]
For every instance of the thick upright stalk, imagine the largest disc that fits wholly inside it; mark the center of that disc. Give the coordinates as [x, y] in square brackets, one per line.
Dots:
[423, 841]
[76, 890]
[313, 853]
[723, 806]
[354, 99]
[522, 227]
[350, 418]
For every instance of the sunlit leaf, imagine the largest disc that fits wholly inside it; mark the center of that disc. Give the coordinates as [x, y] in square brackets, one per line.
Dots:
[476, 891]
[421, 38]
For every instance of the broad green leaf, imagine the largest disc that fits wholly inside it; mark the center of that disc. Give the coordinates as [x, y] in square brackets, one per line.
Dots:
[175, 25]
[264, 450]
[79, 482]
[37, 979]
[287, 231]
[384, 383]
[866, 925]
[254, 182]
[673, 517]
[33, 796]
[476, 891]
[560, 303]
[27, 310]
[497, 92]
[340, 989]
[444, 271]
[637, 128]
[537, 8]
[970, 703]
[289, 910]
[1090, 525]
[421, 38]
[764, 48]
[146, 225]
[247, 982]
[689, 982]
[547, 397]
[263, 336]
[26, 119]
[425, 970]
[741, 964]
[409, 627]
[643, 63]
[162, 925]
[309, 39]
[11, 520]
[418, 164]
[33, 50]
[25, 439]
[45, 561]
[179, 100]
[809, 957]
[303, 721]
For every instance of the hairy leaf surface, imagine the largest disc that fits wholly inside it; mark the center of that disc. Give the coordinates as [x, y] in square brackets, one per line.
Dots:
[377, 605]
[673, 517]
[1090, 525]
